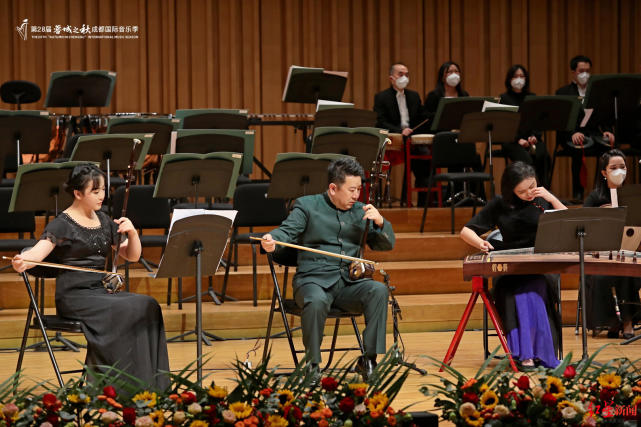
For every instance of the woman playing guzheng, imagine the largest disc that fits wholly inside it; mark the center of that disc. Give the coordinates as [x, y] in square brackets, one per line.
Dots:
[525, 303]
[122, 329]
[601, 307]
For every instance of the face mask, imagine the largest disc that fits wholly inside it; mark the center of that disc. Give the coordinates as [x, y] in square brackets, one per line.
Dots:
[402, 82]
[518, 83]
[583, 78]
[617, 176]
[453, 79]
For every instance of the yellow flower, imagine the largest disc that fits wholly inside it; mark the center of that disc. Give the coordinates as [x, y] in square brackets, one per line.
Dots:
[276, 421]
[314, 405]
[555, 387]
[489, 399]
[378, 402]
[474, 419]
[284, 396]
[158, 418]
[198, 423]
[565, 404]
[636, 401]
[240, 409]
[484, 387]
[147, 397]
[353, 386]
[217, 392]
[610, 380]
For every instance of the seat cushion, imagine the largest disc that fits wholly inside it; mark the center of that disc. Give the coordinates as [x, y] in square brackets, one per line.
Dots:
[292, 308]
[153, 240]
[57, 323]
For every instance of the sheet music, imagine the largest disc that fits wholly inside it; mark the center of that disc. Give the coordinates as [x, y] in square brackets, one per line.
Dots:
[493, 106]
[588, 114]
[323, 104]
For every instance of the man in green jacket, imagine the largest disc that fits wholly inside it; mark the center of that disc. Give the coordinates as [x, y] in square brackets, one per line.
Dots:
[335, 221]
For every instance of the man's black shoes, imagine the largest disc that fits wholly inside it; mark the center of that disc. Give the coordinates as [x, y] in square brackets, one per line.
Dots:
[365, 366]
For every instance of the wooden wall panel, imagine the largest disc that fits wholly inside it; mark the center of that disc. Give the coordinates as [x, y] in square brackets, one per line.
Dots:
[235, 54]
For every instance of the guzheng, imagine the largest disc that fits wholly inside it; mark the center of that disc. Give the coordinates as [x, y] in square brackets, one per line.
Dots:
[525, 261]
[266, 119]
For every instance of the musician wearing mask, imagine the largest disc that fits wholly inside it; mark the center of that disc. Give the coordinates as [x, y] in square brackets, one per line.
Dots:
[525, 303]
[528, 146]
[601, 305]
[580, 67]
[448, 85]
[122, 329]
[335, 221]
[399, 110]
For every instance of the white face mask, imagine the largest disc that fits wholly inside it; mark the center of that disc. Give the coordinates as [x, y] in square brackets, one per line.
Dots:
[617, 176]
[453, 79]
[583, 78]
[518, 83]
[402, 82]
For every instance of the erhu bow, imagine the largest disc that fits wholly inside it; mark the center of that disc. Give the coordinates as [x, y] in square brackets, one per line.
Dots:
[114, 283]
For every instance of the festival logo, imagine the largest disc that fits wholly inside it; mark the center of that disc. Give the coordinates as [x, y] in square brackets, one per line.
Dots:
[23, 29]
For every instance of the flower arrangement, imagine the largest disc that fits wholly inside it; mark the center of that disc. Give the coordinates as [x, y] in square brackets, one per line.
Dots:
[583, 394]
[260, 398]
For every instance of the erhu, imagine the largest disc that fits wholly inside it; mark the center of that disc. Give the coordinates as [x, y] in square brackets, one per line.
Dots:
[114, 283]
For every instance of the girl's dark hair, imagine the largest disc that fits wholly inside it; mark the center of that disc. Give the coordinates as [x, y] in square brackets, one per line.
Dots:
[510, 75]
[440, 87]
[601, 185]
[512, 176]
[82, 176]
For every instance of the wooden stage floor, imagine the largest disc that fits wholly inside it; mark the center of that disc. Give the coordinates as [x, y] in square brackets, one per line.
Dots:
[418, 345]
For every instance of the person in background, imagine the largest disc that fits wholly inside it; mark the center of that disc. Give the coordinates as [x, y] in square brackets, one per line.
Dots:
[448, 85]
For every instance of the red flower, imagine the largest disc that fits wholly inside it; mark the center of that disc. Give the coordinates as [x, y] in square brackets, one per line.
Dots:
[50, 401]
[329, 383]
[109, 391]
[548, 399]
[294, 411]
[129, 415]
[53, 419]
[607, 394]
[266, 392]
[569, 372]
[346, 404]
[523, 383]
[470, 397]
[188, 397]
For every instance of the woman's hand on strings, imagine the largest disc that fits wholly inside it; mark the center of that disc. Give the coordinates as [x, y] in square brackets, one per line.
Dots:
[268, 243]
[372, 213]
[485, 246]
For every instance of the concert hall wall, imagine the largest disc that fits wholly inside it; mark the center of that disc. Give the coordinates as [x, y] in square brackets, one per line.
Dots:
[235, 53]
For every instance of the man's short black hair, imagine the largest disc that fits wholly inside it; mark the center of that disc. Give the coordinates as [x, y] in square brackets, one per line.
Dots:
[391, 68]
[574, 62]
[341, 168]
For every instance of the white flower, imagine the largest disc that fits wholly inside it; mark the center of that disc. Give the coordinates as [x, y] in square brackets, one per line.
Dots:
[568, 413]
[538, 391]
[360, 409]
[194, 408]
[229, 417]
[626, 390]
[46, 424]
[502, 410]
[108, 417]
[466, 409]
[579, 407]
[145, 421]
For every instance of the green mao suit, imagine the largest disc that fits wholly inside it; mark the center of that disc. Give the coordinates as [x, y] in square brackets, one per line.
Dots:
[322, 281]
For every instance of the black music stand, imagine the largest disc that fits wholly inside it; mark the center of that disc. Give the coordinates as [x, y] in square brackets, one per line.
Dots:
[80, 89]
[584, 229]
[300, 174]
[39, 187]
[189, 239]
[613, 97]
[308, 85]
[345, 117]
[198, 175]
[450, 111]
[160, 127]
[28, 131]
[500, 126]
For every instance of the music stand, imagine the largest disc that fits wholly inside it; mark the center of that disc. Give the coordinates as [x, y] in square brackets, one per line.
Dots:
[613, 96]
[500, 126]
[308, 85]
[300, 174]
[113, 151]
[345, 117]
[160, 127]
[450, 111]
[198, 175]
[362, 143]
[584, 229]
[189, 239]
[28, 131]
[80, 89]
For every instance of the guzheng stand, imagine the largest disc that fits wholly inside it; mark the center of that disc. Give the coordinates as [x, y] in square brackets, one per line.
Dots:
[585, 229]
[194, 247]
[500, 126]
[198, 175]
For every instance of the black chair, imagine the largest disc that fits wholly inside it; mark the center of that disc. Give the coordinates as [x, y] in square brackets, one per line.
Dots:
[47, 323]
[145, 212]
[254, 210]
[448, 153]
[287, 258]
[15, 222]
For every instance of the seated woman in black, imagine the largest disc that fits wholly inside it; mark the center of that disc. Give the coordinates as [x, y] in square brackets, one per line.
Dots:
[600, 303]
[122, 329]
[448, 85]
[528, 146]
[525, 303]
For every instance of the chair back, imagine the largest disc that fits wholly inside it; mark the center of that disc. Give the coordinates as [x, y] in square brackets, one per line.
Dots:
[14, 222]
[203, 141]
[144, 210]
[287, 257]
[213, 118]
[447, 152]
[255, 209]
